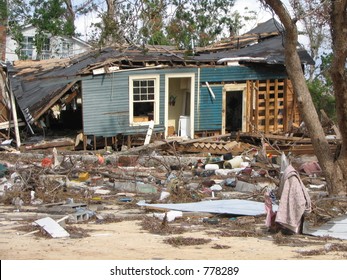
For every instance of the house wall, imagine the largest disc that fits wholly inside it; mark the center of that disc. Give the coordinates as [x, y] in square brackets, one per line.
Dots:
[77, 47]
[105, 100]
[11, 45]
[56, 46]
[209, 111]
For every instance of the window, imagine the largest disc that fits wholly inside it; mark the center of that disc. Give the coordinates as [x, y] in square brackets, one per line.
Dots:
[144, 95]
[66, 49]
[27, 48]
[46, 49]
[28, 45]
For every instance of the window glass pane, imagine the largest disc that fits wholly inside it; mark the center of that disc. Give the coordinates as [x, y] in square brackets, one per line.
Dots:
[46, 45]
[143, 100]
[143, 108]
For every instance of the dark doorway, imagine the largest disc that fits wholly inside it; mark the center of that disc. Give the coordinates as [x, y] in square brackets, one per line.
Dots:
[233, 117]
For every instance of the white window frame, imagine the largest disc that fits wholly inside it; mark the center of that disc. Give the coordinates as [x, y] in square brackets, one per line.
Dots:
[156, 79]
[66, 49]
[27, 47]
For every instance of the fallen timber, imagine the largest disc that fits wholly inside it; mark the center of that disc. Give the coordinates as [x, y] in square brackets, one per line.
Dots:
[275, 144]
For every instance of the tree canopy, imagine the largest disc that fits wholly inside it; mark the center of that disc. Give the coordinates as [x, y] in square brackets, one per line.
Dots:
[183, 23]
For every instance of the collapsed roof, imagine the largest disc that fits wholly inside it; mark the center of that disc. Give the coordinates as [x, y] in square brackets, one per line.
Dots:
[38, 85]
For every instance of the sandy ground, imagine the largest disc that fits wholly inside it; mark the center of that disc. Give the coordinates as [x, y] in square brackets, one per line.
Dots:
[127, 240]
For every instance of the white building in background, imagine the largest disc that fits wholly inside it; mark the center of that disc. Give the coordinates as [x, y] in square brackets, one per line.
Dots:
[54, 46]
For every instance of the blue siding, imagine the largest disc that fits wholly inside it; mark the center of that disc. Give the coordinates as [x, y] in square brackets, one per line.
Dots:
[209, 113]
[209, 117]
[241, 73]
[106, 97]
[106, 102]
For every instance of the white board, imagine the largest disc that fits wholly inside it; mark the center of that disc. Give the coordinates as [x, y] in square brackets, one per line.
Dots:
[52, 227]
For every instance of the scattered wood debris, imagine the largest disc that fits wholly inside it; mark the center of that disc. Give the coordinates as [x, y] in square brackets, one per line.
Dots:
[163, 228]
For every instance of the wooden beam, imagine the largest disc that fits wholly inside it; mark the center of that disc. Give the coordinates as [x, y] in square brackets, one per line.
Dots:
[276, 106]
[7, 124]
[54, 100]
[267, 105]
[256, 116]
[15, 120]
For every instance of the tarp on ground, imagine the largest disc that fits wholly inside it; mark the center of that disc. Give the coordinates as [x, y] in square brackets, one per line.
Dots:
[230, 206]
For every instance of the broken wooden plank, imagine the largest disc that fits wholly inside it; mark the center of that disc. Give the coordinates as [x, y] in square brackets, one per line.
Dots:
[51, 144]
[6, 124]
[149, 133]
[296, 150]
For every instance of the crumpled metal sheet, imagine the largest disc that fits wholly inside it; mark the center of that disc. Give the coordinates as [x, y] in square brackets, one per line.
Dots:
[336, 228]
[230, 206]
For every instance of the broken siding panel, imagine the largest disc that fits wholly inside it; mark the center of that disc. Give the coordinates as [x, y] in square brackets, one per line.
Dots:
[210, 117]
[241, 73]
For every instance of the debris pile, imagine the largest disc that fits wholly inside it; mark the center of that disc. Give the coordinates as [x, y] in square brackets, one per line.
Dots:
[243, 192]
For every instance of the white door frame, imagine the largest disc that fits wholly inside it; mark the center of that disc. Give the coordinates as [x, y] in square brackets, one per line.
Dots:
[192, 99]
[235, 87]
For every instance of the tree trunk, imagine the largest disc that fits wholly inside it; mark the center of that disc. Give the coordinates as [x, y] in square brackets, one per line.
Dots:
[338, 18]
[70, 11]
[334, 171]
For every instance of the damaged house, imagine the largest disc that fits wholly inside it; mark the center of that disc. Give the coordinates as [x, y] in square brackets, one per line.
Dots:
[239, 84]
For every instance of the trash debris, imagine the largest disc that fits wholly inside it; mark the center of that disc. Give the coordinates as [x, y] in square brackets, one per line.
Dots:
[83, 176]
[3, 170]
[246, 187]
[216, 187]
[125, 199]
[52, 227]
[234, 163]
[17, 202]
[311, 168]
[145, 188]
[46, 163]
[170, 216]
[200, 191]
[211, 166]
[212, 221]
[164, 195]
